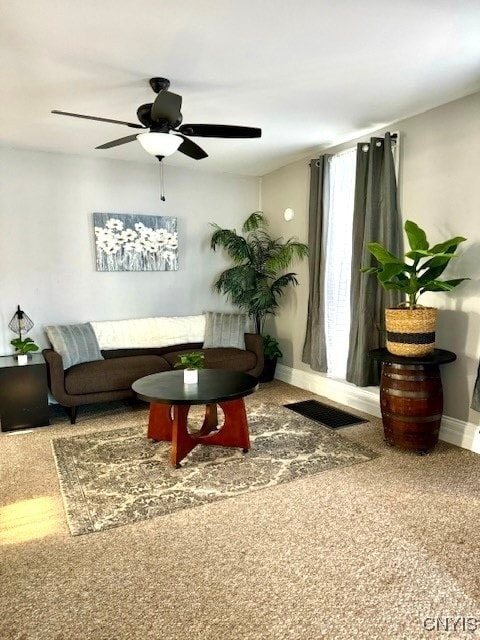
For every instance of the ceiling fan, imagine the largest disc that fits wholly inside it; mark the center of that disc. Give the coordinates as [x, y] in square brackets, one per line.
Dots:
[166, 133]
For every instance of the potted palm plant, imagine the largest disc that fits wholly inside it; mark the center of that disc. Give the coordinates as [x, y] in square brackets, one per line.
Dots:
[191, 363]
[259, 276]
[411, 327]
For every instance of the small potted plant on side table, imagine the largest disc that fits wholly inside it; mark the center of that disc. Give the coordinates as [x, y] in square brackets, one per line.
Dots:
[191, 362]
[23, 346]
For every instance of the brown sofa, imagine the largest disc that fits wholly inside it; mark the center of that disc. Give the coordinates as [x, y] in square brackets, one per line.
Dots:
[112, 378]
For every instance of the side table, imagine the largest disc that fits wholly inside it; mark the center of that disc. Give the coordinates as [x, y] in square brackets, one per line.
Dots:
[411, 398]
[23, 393]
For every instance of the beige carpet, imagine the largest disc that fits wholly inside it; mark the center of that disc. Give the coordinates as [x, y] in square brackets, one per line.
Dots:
[116, 477]
[381, 550]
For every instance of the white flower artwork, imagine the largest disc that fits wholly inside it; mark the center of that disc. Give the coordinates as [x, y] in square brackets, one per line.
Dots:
[129, 242]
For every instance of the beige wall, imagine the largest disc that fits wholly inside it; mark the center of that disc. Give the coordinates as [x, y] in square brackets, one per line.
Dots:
[47, 250]
[288, 187]
[439, 188]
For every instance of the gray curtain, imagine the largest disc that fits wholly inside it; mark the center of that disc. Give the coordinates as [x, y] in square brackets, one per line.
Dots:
[314, 348]
[476, 392]
[375, 219]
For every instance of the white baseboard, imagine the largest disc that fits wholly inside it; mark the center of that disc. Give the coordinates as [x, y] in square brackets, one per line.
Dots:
[462, 434]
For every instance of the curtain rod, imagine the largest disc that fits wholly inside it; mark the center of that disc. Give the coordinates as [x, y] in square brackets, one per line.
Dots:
[393, 136]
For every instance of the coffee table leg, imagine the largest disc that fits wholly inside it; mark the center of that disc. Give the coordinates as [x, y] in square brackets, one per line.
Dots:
[182, 442]
[234, 432]
[160, 422]
[210, 422]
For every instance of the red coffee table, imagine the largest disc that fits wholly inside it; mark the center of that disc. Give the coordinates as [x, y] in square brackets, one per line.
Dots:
[170, 401]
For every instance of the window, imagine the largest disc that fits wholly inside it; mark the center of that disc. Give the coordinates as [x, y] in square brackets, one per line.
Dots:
[338, 260]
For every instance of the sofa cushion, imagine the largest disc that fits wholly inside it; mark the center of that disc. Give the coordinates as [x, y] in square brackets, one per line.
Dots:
[226, 329]
[220, 358]
[76, 343]
[151, 351]
[111, 375]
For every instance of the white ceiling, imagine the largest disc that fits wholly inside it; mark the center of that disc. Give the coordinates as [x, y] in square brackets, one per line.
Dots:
[310, 73]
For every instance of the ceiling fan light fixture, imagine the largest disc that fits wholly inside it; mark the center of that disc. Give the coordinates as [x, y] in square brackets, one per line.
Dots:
[160, 122]
[159, 144]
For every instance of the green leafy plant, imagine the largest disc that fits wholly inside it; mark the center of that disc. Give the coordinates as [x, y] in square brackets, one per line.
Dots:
[256, 281]
[193, 360]
[24, 346]
[419, 269]
[271, 348]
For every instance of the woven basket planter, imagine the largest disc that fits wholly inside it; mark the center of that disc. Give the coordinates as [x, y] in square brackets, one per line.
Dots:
[411, 332]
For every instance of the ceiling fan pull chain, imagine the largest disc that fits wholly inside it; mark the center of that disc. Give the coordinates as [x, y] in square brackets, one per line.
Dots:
[162, 179]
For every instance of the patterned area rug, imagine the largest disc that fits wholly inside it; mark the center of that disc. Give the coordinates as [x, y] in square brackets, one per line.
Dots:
[112, 478]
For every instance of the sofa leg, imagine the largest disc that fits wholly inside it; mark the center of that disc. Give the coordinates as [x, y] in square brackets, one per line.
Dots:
[72, 414]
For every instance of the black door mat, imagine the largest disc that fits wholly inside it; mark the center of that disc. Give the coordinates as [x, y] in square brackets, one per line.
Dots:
[325, 414]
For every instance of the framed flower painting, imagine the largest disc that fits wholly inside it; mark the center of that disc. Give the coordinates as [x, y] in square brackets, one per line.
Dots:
[128, 242]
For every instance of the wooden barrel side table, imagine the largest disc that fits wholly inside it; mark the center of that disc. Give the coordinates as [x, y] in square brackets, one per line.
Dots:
[411, 398]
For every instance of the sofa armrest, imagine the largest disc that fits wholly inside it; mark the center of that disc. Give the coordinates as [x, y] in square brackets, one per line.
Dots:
[56, 376]
[254, 343]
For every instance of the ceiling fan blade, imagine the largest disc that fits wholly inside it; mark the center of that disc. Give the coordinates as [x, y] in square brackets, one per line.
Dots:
[220, 131]
[167, 106]
[78, 115]
[119, 141]
[191, 149]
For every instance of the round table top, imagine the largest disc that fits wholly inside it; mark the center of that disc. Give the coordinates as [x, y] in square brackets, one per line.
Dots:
[214, 385]
[438, 356]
